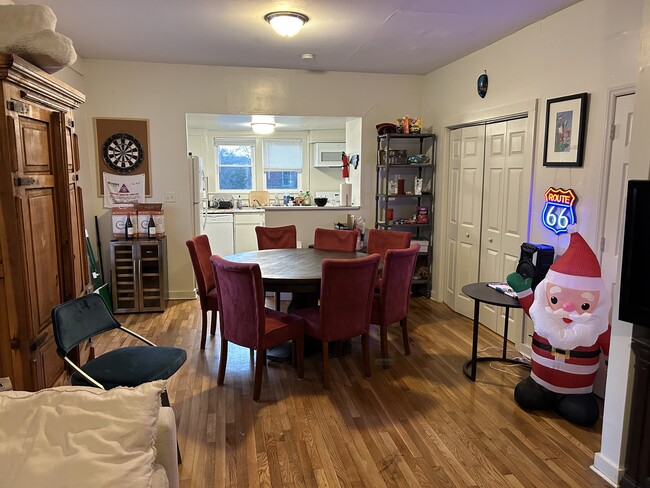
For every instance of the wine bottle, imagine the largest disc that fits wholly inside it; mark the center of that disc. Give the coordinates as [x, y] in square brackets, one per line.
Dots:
[128, 227]
[151, 228]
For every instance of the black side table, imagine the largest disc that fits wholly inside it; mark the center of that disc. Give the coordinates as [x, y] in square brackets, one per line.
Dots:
[482, 293]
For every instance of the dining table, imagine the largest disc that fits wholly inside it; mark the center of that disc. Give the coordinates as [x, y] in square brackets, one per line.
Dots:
[297, 271]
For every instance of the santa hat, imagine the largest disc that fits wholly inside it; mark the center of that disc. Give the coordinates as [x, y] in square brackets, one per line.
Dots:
[578, 267]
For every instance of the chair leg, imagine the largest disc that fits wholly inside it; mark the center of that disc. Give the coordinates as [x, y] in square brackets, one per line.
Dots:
[299, 353]
[222, 362]
[326, 366]
[365, 340]
[277, 301]
[259, 367]
[213, 325]
[204, 327]
[383, 333]
[405, 336]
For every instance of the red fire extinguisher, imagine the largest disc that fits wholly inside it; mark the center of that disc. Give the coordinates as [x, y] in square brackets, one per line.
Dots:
[345, 173]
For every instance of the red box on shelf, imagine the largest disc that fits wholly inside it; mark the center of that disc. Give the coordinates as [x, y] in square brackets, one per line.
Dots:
[422, 215]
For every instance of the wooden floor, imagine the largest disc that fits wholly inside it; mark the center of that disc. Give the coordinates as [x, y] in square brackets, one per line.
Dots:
[420, 422]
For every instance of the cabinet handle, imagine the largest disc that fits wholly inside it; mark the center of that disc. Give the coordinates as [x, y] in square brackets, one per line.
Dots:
[14, 343]
[489, 239]
[467, 235]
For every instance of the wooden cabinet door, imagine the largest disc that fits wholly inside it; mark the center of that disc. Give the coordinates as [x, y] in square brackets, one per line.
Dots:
[73, 229]
[37, 207]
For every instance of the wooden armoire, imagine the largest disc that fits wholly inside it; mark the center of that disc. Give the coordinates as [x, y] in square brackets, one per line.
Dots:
[42, 234]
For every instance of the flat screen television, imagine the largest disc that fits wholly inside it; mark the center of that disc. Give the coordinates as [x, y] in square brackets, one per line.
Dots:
[634, 303]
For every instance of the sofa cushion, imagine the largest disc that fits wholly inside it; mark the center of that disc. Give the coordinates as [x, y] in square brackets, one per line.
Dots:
[76, 436]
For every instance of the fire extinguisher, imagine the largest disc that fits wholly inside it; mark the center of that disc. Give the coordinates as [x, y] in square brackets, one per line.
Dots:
[345, 173]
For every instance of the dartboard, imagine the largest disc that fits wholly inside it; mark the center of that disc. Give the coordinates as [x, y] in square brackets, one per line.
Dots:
[122, 153]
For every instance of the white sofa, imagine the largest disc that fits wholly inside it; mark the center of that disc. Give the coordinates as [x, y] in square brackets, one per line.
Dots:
[77, 436]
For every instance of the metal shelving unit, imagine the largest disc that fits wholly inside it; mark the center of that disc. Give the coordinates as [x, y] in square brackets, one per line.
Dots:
[405, 204]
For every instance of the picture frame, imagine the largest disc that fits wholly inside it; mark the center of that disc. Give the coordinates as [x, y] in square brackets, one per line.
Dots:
[564, 138]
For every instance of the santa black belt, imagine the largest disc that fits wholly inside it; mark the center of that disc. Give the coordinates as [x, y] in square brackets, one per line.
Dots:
[566, 354]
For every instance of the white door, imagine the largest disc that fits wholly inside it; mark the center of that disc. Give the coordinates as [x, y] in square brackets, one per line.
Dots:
[506, 192]
[612, 236]
[470, 197]
[451, 241]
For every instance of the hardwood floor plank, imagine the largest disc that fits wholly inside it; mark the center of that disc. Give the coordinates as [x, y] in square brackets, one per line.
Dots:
[418, 423]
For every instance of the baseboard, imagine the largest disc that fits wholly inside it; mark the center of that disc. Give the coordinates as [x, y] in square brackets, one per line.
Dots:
[181, 295]
[607, 470]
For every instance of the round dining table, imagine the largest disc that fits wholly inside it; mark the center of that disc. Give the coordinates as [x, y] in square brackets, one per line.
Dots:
[299, 272]
[291, 270]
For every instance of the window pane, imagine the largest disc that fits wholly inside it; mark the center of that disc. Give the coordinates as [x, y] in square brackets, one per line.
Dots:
[235, 178]
[281, 180]
[283, 154]
[235, 155]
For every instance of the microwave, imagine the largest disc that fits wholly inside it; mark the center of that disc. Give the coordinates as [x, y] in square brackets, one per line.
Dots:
[327, 154]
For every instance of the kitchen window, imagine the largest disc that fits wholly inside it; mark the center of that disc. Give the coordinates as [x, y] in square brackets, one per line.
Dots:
[282, 163]
[235, 164]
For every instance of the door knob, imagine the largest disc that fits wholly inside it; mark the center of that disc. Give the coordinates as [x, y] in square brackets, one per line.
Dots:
[467, 235]
[489, 239]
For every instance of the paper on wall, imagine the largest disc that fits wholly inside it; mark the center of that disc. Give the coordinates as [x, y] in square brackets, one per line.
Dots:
[120, 190]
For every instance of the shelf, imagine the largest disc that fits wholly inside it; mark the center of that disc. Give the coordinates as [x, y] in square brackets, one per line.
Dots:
[405, 165]
[388, 226]
[383, 195]
[406, 136]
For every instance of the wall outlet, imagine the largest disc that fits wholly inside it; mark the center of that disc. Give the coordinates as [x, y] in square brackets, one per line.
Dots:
[170, 197]
[5, 384]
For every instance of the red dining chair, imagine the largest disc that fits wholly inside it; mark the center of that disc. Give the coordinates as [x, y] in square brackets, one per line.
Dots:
[200, 252]
[380, 241]
[391, 304]
[246, 322]
[345, 305]
[335, 240]
[276, 238]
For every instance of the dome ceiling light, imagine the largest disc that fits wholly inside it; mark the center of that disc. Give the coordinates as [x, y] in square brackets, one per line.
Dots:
[263, 124]
[286, 23]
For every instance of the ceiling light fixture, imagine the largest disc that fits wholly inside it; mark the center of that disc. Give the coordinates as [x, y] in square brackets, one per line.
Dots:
[286, 23]
[263, 124]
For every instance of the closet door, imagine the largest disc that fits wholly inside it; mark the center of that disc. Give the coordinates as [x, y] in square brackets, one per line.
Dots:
[506, 192]
[470, 193]
[451, 240]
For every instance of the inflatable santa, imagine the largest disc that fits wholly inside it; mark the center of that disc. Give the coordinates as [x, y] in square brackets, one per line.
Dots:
[570, 313]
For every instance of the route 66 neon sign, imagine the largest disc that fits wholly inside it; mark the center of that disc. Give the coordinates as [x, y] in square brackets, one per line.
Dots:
[559, 209]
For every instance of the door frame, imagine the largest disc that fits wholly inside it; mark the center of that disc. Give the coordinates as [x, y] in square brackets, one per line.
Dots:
[612, 96]
[526, 109]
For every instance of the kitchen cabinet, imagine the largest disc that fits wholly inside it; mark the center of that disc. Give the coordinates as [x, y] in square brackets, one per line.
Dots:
[138, 275]
[245, 223]
[398, 204]
[43, 258]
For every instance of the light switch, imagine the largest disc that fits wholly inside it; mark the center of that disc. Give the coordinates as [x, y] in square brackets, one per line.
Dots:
[170, 197]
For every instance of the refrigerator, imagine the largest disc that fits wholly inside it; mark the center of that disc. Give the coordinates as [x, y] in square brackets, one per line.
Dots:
[199, 194]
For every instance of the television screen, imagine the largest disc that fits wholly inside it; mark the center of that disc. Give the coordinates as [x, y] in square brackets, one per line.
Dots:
[634, 305]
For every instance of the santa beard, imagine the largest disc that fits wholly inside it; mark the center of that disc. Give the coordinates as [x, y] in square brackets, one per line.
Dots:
[582, 331]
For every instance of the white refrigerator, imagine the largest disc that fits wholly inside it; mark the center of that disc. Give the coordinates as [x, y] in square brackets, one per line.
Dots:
[199, 194]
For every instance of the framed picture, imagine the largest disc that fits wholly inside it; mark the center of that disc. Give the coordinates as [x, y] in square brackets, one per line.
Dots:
[564, 139]
[123, 149]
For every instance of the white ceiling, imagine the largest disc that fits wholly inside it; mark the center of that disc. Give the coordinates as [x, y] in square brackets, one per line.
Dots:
[374, 36]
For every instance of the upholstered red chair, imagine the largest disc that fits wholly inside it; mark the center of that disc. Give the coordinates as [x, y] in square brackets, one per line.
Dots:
[246, 322]
[276, 237]
[335, 240]
[200, 252]
[345, 305]
[391, 304]
[380, 241]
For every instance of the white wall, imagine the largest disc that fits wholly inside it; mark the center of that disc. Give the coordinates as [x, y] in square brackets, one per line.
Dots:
[165, 93]
[589, 47]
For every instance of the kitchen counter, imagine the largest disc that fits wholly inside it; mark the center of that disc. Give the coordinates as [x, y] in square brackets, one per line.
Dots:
[312, 207]
[235, 210]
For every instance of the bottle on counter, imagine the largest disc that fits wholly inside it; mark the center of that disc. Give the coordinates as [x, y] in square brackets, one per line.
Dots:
[128, 228]
[151, 228]
[307, 199]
